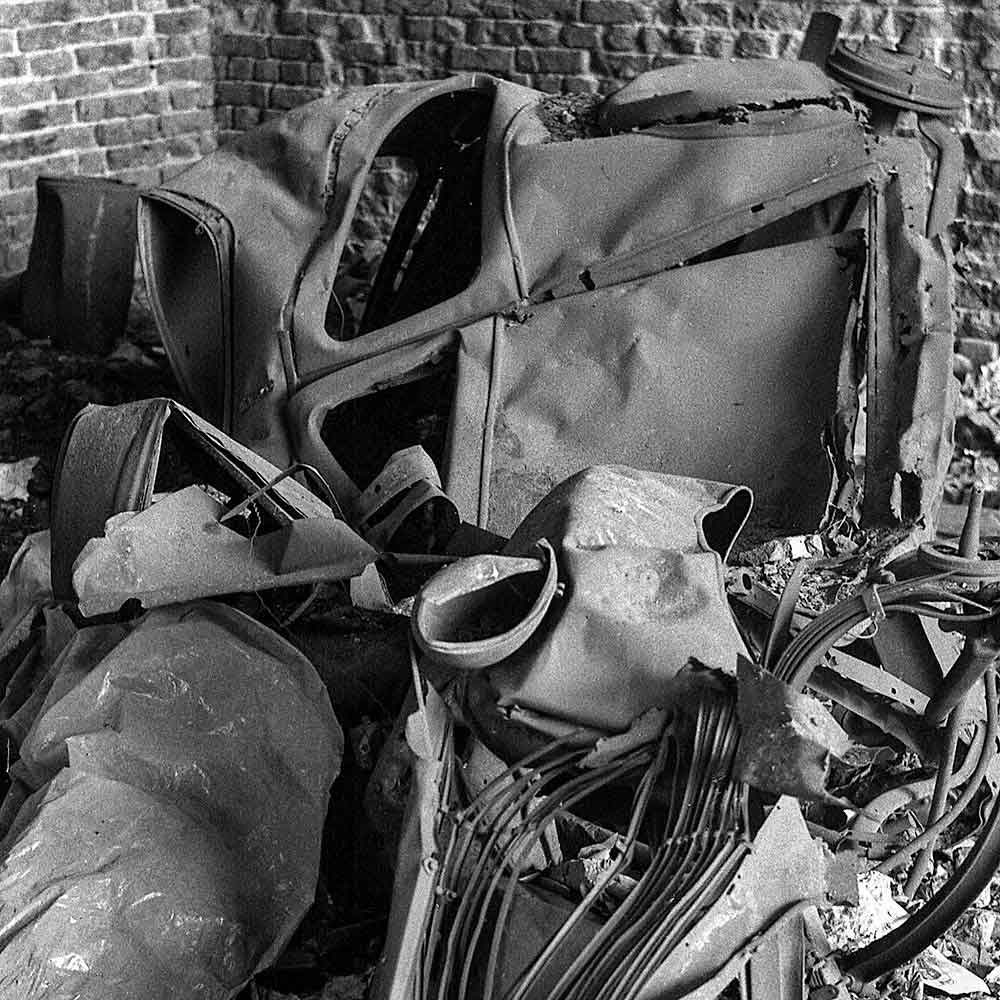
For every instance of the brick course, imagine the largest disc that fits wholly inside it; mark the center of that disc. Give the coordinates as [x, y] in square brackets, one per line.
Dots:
[121, 88]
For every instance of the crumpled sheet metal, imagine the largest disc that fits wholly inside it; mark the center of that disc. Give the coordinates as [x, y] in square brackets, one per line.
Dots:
[639, 560]
[28, 577]
[785, 871]
[656, 189]
[176, 550]
[553, 288]
[911, 398]
[278, 203]
[429, 736]
[560, 403]
[788, 738]
[781, 874]
[177, 848]
[111, 542]
[696, 89]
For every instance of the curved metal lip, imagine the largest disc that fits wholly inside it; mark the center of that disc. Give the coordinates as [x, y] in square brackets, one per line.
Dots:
[922, 90]
[459, 578]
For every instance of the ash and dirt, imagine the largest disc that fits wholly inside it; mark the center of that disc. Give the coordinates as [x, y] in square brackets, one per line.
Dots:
[332, 955]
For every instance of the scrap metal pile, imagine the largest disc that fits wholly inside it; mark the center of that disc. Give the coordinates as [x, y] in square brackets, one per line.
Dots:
[600, 505]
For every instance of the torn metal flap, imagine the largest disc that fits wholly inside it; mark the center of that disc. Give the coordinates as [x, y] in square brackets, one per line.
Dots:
[699, 89]
[108, 465]
[640, 558]
[428, 732]
[784, 871]
[787, 738]
[177, 550]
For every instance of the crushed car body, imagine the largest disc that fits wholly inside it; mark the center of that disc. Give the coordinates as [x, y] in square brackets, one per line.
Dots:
[545, 295]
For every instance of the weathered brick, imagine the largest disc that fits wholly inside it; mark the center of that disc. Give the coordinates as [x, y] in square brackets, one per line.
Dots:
[141, 177]
[120, 133]
[756, 44]
[92, 161]
[769, 16]
[35, 144]
[291, 97]
[145, 154]
[266, 70]
[540, 10]
[132, 26]
[580, 36]
[354, 28]
[104, 56]
[652, 40]
[621, 37]
[580, 85]
[542, 33]
[81, 84]
[8, 42]
[418, 28]
[430, 8]
[24, 175]
[718, 44]
[46, 36]
[514, 32]
[238, 93]
[282, 47]
[479, 31]
[686, 41]
[372, 52]
[132, 76]
[611, 12]
[246, 118]
[183, 147]
[488, 58]
[33, 119]
[562, 61]
[254, 46]
[240, 68]
[198, 68]
[16, 95]
[623, 65]
[176, 22]
[295, 73]
[292, 22]
[449, 30]
[56, 63]
[13, 66]
[549, 83]
[24, 200]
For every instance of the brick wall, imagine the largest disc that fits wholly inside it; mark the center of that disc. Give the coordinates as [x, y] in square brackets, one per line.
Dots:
[116, 87]
[273, 56]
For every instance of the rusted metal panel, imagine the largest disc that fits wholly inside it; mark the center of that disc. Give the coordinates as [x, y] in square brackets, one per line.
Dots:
[608, 376]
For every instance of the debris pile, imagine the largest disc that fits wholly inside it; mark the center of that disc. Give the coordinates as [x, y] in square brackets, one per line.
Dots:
[426, 627]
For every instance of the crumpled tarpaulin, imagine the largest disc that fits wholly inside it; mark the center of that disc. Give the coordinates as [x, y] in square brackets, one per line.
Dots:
[176, 848]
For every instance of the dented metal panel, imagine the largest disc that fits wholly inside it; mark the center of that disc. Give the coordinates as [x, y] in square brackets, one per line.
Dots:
[577, 204]
[667, 373]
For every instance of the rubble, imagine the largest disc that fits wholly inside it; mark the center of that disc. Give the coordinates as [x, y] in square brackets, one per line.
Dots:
[598, 745]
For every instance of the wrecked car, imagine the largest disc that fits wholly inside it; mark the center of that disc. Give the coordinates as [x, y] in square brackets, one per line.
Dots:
[546, 292]
[565, 356]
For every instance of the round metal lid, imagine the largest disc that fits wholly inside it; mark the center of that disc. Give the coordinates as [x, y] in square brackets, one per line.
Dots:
[901, 77]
